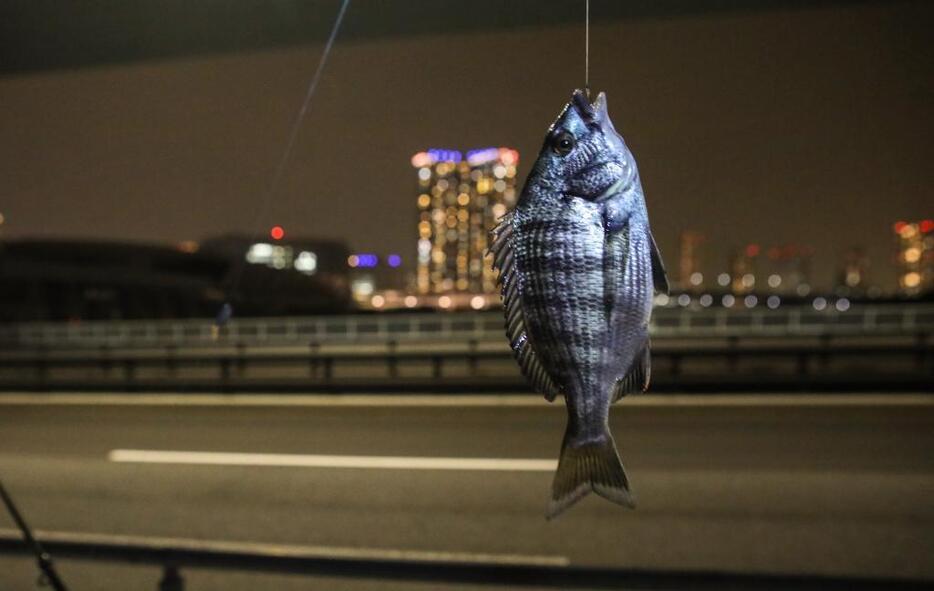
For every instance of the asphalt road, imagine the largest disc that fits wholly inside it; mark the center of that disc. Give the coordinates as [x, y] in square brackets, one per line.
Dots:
[789, 485]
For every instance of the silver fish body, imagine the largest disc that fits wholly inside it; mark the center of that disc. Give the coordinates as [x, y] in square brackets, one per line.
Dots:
[579, 267]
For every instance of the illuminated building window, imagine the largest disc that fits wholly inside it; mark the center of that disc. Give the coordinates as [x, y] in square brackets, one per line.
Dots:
[470, 193]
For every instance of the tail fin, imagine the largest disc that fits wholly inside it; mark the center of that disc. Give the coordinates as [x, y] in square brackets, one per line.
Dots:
[593, 466]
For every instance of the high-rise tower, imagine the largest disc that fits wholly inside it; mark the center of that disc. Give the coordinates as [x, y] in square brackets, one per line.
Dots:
[459, 200]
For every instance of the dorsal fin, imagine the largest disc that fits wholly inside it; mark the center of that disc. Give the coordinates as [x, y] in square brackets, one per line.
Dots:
[522, 348]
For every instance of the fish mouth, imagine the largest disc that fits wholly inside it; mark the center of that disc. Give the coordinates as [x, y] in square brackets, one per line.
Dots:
[595, 112]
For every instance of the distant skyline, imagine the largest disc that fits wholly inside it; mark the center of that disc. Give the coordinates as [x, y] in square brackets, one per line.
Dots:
[808, 126]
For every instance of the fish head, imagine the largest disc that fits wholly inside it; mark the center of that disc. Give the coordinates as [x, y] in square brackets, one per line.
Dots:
[583, 155]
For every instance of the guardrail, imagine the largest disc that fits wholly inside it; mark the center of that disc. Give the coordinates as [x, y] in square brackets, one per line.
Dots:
[714, 363]
[172, 555]
[789, 320]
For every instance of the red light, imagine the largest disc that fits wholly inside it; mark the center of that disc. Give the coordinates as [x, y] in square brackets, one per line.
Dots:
[927, 226]
[752, 250]
[898, 227]
[277, 233]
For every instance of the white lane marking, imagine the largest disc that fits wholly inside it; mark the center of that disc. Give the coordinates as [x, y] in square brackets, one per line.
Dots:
[337, 552]
[448, 400]
[327, 461]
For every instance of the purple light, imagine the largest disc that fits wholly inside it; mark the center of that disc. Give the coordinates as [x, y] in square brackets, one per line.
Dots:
[367, 260]
[394, 260]
[442, 155]
[482, 156]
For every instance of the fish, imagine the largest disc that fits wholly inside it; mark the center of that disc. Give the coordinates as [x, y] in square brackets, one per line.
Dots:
[578, 270]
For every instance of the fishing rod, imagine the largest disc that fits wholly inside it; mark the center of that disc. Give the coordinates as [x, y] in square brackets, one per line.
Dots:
[43, 558]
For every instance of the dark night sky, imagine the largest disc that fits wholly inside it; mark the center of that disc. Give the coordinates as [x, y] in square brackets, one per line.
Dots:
[810, 125]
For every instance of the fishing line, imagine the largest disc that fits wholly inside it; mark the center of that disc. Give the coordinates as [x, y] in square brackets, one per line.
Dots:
[587, 47]
[286, 155]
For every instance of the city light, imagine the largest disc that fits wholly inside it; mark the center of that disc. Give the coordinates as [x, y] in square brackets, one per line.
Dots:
[773, 302]
[697, 278]
[362, 287]
[728, 300]
[908, 231]
[394, 260]
[486, 155]
[661, 299]
[444, 155]
[842, 305]
[410, 301]
[274, 256]
[819, 303]
[363, 260]
[306, 262]
[459, 202]
[444, 302]
[277, 233]
[706, 300]
[434, 156]
[915, 258]
[775, 280]
[723, 279]
[377, 301]
[259, 253]
[421, 160]
[186, 246]
[750, 301]
[684, 300]
[477, 302]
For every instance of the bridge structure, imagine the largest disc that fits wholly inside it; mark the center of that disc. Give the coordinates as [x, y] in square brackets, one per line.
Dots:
[887, 346]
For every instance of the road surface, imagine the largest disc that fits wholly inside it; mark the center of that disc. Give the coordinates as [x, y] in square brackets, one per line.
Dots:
[794, 484]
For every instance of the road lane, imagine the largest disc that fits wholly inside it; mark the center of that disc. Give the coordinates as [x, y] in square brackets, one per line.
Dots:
[831, 489]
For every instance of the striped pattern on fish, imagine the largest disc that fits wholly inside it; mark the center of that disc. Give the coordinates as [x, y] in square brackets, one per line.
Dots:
[578, 266]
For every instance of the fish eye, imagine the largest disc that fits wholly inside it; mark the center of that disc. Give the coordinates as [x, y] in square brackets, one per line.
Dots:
[563, 142]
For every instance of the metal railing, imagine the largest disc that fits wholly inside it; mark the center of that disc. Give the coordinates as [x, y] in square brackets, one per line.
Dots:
[172, 555]
[722, 363]
[789, 320]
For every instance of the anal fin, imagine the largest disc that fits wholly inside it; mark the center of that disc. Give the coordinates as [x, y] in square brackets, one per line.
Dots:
[638, 377]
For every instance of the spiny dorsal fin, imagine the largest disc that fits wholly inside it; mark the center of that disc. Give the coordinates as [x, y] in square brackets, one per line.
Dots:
[522, 349]
[637, 380]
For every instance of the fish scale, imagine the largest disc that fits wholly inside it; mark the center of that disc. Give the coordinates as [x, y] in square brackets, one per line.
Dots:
[578, 265]
[561, 244]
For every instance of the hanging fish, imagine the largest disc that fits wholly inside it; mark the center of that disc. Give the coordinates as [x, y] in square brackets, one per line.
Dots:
[578, 268]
